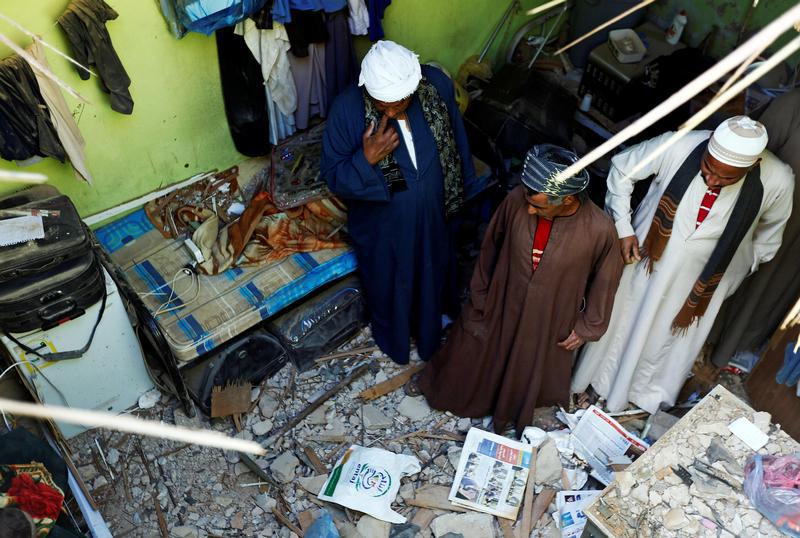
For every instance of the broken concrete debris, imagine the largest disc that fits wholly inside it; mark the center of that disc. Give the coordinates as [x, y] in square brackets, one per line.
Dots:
[204, 492]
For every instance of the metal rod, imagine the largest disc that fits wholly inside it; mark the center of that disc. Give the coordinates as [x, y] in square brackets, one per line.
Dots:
[497, 28]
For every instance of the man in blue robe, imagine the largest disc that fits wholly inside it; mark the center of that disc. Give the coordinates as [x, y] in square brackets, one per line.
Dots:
[396, 151]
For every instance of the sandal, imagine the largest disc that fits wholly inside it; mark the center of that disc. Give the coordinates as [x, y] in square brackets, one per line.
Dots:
[411, 388]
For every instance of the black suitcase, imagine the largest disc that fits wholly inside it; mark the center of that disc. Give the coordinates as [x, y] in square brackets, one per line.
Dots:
[321, 323]
[51, 297]
[65, 236]
[250, 357]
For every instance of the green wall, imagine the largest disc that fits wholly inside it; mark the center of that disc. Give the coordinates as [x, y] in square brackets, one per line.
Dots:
[178, 125]
[728, 15]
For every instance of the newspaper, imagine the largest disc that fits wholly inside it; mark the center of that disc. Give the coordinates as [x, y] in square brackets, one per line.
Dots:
[491, 474]
[570, 505]
[598, 438]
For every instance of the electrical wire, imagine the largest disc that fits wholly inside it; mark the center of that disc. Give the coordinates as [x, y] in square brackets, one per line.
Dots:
[38, 371]
[194, 284]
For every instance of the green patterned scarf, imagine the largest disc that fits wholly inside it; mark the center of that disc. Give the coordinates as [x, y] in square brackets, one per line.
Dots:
[438, 118]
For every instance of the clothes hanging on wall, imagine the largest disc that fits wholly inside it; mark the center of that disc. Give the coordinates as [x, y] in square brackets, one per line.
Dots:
[309, 77]
[376, 9]
[306, 27]
[26, 129]
[65, 126]
[340, 57]
[243, 94]
[281, 125]
[84, 22]
[270, 48]
[263, 17]
[358, 19]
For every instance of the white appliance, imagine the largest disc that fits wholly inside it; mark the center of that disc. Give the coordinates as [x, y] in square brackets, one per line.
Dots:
[110, 376]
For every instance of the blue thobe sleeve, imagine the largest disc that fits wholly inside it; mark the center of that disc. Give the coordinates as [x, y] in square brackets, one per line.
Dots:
[344, 166]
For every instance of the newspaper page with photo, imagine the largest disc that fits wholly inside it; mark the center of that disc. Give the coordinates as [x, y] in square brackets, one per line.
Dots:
[491, 474]
[598, 439]
[570, 505]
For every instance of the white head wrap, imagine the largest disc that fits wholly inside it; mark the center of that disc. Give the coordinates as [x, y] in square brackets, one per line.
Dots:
[390, 72]
[738, 141]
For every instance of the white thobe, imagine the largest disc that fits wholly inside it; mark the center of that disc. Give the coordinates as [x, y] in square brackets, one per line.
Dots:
[639, 359]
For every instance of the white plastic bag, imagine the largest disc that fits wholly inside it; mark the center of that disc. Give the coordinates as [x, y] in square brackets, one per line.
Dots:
[367, 480]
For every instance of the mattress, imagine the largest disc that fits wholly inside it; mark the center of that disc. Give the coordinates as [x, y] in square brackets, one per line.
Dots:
[201, 312]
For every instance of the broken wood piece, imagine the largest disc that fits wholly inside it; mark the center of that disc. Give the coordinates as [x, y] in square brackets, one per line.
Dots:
[348, 353]
[433, 497]
[286, 522]
[423, 518]
[323, 438]
[525, 527]
[355, 374]
[391, 384]
[232, 399]
[162, 522]
[258, 471]
[305, 519]
[505, 526]
[316, 463]
[540, 505]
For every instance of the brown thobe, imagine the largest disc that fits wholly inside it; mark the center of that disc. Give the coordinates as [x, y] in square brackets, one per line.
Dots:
[502, 356]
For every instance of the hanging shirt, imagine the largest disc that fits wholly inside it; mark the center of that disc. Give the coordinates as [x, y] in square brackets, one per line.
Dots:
[540, 238]
[409, 140]
[705, 206]
[358, 18]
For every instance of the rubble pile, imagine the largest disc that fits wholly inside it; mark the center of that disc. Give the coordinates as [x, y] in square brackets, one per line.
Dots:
[651, 498]
[196, 492]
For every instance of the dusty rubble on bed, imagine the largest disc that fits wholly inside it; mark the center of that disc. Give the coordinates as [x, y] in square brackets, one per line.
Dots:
[195, 491]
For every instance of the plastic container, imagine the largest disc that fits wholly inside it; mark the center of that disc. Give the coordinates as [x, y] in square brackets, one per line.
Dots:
[626, 46]
[675, 29]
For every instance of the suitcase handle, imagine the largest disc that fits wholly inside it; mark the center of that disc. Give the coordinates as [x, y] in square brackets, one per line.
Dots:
[58, 311]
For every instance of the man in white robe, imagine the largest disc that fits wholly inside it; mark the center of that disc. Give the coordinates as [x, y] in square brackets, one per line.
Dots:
[644, 358]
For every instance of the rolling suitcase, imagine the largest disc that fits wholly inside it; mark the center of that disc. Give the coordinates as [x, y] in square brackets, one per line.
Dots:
[251, 357]
[321, 323]
[48, 281]
[65, 236]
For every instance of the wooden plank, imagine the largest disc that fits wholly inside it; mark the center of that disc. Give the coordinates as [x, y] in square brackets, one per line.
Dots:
[316, 463]
[279, 432]
[433, 497]
[505, 526]
[423, 518]
[286, 522]
[524, 529]
[543, 500]
[232, 399]
[391, 384]
[306, 518]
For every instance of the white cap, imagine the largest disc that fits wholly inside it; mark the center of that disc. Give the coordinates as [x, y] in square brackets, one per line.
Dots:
[738, 141]
[390, 72]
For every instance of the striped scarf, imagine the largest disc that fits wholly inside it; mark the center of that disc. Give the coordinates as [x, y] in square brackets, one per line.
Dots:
[744, 213]
[437, 116]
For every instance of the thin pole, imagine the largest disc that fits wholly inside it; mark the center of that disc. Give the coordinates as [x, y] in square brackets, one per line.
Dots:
[130, 424]
[606, 24]
[767, 35]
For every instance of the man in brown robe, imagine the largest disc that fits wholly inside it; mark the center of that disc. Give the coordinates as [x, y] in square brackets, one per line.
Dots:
[535, 298]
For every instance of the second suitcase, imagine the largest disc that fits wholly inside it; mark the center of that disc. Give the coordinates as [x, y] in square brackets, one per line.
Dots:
[321, 323]
[52, 296]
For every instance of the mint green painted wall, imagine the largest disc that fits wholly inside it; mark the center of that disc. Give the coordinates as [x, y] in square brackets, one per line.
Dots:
[728, 15]
[449, 31]
[178, 125]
